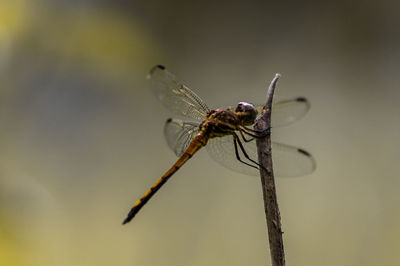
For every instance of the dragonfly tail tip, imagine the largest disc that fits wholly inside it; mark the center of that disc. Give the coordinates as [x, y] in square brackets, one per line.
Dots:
[131, 215]
[127, 220]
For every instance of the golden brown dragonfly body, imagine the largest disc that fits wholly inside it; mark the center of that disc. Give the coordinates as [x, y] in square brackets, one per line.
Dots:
[219, 123]
[219, 131]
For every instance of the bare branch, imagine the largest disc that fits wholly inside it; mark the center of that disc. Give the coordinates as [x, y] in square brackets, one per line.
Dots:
[268, 181]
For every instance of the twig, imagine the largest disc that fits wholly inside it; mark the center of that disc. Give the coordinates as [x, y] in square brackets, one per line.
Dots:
[268, 182]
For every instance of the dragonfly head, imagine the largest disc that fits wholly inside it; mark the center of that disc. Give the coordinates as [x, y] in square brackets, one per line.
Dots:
[246, 112]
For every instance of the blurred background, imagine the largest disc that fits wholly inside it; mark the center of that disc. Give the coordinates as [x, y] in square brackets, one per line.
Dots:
[81, 132]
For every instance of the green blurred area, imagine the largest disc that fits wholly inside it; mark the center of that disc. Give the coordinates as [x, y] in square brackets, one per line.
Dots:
[81, 133]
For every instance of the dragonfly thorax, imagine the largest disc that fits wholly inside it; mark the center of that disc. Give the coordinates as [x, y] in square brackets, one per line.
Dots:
[246, 112]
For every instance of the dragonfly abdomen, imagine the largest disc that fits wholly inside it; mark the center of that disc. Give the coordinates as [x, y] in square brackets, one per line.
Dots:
[199, 141]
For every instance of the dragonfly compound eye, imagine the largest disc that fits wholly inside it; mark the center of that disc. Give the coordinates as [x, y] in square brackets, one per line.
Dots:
[247, 112]
[239, 108]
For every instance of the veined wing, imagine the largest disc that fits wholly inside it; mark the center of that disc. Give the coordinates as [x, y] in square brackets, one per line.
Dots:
[287, 111]
[288, 161]
[176, 96]
[179, 134]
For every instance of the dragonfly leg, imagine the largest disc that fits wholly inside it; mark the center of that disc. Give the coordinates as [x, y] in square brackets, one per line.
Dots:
[256, 133]
[244, 138]
[251, 134]
[235, 141]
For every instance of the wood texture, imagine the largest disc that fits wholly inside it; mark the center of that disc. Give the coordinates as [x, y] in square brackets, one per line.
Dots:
[268, 182]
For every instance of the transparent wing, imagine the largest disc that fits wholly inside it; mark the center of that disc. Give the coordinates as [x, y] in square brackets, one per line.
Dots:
[176, 96]
[288, 161]
[287, 111]
[179, 134]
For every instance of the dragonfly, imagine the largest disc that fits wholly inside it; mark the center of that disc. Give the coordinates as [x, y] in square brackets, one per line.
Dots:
[225, 132]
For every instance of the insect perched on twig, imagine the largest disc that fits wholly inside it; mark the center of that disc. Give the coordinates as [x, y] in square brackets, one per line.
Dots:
[224, 131]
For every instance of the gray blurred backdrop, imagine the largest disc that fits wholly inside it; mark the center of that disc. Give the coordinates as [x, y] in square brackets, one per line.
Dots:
[81, 132]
